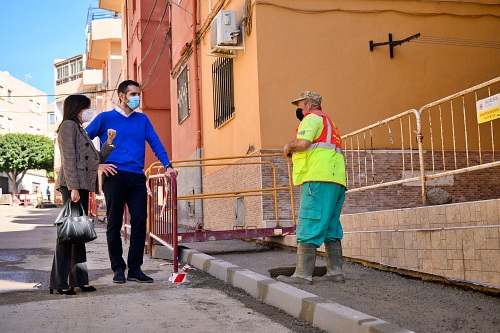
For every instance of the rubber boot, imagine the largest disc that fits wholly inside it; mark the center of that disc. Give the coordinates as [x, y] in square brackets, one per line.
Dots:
[334, 262]
[306, 260]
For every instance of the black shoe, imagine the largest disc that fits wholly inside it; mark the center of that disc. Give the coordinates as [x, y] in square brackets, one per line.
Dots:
[64, 292]
[139, 276]
[119, 276]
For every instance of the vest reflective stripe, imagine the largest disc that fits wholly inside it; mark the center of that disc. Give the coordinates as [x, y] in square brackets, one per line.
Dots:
[326, 146]
[329, 139]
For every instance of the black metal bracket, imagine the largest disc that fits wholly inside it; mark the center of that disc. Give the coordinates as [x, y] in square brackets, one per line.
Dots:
[392, 43]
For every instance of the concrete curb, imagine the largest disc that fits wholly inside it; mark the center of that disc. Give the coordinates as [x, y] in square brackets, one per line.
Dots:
[329, 316]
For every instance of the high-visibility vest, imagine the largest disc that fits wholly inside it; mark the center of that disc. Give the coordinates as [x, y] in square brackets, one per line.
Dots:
[329, 137]
[324, 160]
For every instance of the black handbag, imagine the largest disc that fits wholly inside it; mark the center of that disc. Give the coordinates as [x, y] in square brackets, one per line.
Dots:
[73, 225]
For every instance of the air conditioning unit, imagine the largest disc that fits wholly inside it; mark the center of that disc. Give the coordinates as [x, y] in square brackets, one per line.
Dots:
[223, 31]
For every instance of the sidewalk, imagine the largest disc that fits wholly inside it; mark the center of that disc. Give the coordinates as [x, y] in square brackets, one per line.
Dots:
[27, 239]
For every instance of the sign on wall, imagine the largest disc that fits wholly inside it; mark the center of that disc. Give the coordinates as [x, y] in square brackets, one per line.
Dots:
[488, 109]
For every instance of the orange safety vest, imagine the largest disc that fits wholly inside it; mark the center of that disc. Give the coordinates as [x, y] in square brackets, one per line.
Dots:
[329, 137]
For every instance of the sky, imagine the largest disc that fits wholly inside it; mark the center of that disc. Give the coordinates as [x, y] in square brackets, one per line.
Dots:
[36, 32]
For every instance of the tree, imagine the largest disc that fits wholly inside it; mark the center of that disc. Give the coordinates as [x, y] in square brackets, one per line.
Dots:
[21, 152]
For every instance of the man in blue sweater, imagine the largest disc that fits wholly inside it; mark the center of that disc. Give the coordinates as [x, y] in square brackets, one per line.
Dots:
[128, 185]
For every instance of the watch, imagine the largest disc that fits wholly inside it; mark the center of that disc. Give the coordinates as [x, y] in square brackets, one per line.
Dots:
[169, 166]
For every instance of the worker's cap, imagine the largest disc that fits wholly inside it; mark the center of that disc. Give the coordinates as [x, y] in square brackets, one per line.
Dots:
[308, 95]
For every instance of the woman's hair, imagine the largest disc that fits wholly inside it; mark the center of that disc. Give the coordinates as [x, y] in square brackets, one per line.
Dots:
[73, 104]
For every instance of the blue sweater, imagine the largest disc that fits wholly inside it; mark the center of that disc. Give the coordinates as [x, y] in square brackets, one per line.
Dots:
[131, 134]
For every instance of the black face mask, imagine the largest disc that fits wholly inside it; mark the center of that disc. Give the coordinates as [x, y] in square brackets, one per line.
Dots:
[299, 114]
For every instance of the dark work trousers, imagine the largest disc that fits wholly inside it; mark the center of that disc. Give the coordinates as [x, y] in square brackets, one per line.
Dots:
[125, 188]
[70, 259]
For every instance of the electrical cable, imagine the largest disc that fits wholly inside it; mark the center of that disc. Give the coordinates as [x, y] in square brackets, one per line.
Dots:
[154, 36]
[457, 42]
[55, 95]
[247, 22]
[147, 22]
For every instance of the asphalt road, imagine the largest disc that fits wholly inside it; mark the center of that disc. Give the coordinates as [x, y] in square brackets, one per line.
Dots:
[201, 304]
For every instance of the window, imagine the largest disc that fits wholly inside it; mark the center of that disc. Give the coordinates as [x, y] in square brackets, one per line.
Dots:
[69, 70]
[51, 118]
[32, 130]
[31, 105]
[223, 90]
[183, 95]
[38, 108]
[9, 95]
[2, 122]
[1, 92]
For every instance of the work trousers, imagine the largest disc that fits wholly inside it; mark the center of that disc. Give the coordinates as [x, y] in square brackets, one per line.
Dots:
[70, 259]
[319, 214]
[125, 188]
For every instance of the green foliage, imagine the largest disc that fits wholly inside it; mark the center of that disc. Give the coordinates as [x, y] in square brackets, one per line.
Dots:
[20, 152]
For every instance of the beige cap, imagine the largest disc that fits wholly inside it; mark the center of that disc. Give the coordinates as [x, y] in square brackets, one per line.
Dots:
[308, 95]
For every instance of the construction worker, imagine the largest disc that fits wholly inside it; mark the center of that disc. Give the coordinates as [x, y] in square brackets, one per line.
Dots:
[319, 167]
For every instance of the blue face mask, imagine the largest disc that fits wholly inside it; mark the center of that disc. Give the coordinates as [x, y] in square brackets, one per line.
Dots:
[134, 102]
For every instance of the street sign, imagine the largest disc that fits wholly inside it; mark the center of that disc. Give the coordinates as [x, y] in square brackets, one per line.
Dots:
[488, 109]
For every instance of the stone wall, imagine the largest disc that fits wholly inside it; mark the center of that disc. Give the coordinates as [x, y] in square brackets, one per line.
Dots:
[457, 241]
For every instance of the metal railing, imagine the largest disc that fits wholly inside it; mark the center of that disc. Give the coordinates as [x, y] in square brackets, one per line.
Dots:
[162, 214]
[227, 161]
[163, 198]
[454, 143]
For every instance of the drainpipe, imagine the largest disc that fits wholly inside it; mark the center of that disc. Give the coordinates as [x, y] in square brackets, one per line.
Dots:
[196, 76]
[197, 102]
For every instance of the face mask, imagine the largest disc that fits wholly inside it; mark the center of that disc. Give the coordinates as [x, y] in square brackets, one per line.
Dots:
[299, 114]
[87, 115]
[134, 102]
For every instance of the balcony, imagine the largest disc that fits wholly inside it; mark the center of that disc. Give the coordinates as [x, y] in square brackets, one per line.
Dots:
[104, 28]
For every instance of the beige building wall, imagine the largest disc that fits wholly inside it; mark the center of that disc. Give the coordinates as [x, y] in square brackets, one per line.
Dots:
[26, 107]
[23, 109]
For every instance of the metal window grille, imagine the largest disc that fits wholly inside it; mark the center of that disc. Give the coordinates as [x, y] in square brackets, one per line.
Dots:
[183, 95]
[223, 90]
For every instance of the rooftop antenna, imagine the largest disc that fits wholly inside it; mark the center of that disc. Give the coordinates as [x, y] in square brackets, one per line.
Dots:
[27, 76]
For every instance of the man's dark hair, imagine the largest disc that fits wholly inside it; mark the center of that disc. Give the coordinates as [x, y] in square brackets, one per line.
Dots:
[123, 87]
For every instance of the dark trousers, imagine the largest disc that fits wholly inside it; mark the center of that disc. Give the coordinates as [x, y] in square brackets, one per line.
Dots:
[130, 189]
[70, 259]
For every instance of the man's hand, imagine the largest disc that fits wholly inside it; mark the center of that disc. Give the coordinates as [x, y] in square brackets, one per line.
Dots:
[287, 150]
[108, 169]
[111, 136]
[296, 145]
[170, 171]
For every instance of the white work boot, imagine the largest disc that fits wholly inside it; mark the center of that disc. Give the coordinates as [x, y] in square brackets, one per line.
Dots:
[334, 262]
[306, 260]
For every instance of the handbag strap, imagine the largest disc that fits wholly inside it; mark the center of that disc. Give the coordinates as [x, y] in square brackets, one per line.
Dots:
[61, 213]
[66, 210]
